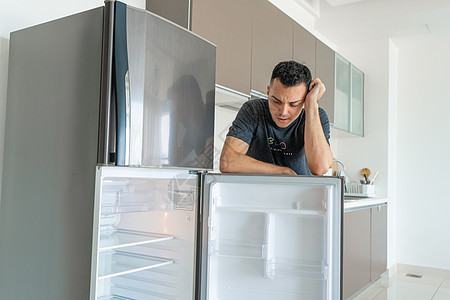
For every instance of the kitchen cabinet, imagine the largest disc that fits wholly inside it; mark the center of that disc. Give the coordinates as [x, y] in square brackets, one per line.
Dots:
[349, 97]
[342, 109]
[325, 71]
[378, 243]
[229, 29]
[250, 43]
[365, 247]
[344, 99]
[304, 50]
[221, 23]
[357, 101]
[177, 11]
[356, 251]
[272, 32]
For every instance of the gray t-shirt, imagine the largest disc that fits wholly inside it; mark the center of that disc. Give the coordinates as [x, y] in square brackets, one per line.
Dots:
[270, 143]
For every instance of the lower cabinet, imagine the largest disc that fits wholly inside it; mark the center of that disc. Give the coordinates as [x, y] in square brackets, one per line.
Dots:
[378, 244]
[365, 247]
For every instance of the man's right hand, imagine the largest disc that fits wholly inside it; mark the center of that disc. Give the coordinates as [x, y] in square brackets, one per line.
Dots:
[234, 160]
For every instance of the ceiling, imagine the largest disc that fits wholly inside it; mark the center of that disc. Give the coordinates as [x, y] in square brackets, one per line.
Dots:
[349, 21]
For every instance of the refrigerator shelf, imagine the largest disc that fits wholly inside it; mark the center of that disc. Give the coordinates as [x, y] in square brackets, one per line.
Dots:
[115, 239]
[114, 297]
[111, 209]
[252, 249]
[305, 268]
[115, 263]
[137, 294]
[271, 210]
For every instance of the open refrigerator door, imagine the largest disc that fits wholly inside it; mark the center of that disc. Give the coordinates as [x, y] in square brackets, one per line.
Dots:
[144, 234]
[271, 237]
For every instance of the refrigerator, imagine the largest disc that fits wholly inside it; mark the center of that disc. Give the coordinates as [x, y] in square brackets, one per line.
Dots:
[106, 192]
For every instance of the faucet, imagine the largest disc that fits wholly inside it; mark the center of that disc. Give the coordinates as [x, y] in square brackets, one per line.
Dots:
[343, 174]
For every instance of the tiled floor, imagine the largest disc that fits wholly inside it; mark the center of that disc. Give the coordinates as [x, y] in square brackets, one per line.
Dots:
[403, 287]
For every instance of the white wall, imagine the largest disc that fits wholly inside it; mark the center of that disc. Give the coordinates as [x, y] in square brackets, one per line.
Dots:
[392, 154]
[423, 204]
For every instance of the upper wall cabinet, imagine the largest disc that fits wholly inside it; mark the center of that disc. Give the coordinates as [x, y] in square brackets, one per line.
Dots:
[349, 97]
[252, 36]
[357, 103]
[228, 25]
[344, 99]
[304, 48]
[342, 93]
[222, 23]
[272, 32]
[325, 71]
[176, 11]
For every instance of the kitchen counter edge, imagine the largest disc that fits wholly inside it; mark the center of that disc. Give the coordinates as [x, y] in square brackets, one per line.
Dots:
[355, 204]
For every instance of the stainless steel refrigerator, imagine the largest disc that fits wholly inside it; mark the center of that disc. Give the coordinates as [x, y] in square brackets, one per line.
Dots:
[109, 132]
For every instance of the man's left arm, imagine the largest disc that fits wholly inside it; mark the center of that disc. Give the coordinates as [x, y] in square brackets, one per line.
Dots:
[317, 149]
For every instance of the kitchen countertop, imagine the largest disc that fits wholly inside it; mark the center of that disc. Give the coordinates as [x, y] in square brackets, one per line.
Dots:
[359, 203]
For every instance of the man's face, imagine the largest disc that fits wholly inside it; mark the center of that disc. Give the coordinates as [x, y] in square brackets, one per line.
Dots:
[285, 103]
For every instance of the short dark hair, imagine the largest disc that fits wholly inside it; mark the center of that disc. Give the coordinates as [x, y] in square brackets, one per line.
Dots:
[291, 73]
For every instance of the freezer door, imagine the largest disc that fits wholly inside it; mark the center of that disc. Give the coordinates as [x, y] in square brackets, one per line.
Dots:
[164, 84]
[271, 237]
[144, 234]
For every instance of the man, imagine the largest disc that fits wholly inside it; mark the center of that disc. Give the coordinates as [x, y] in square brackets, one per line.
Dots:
[286, 134]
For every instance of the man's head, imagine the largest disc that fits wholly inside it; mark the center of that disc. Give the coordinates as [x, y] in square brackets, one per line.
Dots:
[287, 91]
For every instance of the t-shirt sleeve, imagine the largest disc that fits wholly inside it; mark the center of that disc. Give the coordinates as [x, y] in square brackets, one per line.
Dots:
[325, 124]
[245, 123]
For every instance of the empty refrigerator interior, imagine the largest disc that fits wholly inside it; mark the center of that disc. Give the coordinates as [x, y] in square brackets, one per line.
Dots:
[271, 239]
[145, 234]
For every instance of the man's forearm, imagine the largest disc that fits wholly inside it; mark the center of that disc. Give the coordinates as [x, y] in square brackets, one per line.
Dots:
[317, 150]
[233, 162]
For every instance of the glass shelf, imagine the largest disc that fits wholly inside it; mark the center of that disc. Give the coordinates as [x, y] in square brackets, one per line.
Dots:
[305, 268]
[237, 248]
[113, 297]
[110, 209]
[116, 263]
[114, 239]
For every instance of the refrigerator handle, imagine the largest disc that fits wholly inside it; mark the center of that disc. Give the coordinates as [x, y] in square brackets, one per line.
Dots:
[104, 131]
[122, 86]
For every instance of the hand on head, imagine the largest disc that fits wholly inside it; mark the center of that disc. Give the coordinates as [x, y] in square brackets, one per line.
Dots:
[316, 91]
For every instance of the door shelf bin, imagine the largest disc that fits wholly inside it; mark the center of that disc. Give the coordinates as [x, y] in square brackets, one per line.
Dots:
[114, 239]
[237, 248]
[116, 263]
[307, 269]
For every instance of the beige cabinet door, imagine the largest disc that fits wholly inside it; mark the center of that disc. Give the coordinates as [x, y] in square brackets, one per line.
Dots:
[272, 32]
[305, 48]
[356, 251]
[378, 241]
[325, 71]
[176, 11]
[228, 25]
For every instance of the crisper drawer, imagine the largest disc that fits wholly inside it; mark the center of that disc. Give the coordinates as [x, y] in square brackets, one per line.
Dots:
[145, 235]
[271, 237]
